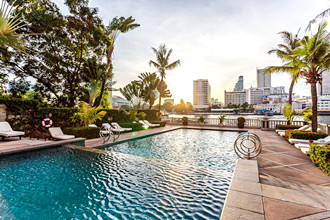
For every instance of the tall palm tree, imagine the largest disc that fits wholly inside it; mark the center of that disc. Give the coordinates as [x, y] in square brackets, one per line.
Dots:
[285, 53]
[162, 63]
[314, 59]
[9, 23]
[117, 26]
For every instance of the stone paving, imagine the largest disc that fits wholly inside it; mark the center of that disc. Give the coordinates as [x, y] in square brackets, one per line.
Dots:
[292, 186]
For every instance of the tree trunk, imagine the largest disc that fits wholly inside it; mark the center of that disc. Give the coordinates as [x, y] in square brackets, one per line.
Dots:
[290, 91]
[160, 91]
[314, 105]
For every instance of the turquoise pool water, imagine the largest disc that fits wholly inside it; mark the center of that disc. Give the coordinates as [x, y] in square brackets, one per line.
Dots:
[63, 183]
[205, 148]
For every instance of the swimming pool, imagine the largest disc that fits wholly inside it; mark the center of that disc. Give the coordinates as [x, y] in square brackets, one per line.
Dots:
[205, 148]
[64, 183]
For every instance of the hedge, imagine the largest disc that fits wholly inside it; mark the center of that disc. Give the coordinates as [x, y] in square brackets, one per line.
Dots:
[85, 132]
[162, 123]
[286, 127]
[308, 135]
[320, 156]
[151, 114]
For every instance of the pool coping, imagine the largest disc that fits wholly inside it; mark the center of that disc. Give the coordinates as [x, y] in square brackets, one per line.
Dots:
[244, 197]
[79, 141]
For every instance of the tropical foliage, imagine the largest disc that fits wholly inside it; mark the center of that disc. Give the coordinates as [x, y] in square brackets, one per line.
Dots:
[311, 58]
[285, 53]
[88, 115]
[320, 156]
[144, 91]
[307, 135]
[162, 64]
[289, 113]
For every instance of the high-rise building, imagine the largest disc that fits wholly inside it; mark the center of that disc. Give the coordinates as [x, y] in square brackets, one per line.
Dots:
[235, 98]
[239, 84]
[202, 94]
[324, 87]
[263, 80]
[254, 96]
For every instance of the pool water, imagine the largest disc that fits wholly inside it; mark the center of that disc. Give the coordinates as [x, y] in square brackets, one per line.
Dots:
[205, 148]
[64, 183]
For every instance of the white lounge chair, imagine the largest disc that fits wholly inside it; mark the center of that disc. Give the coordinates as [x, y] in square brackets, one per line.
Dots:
[7, 131]
[117, 126]
[150, 124]
[57, 133]
[143, 124]
[282, 132]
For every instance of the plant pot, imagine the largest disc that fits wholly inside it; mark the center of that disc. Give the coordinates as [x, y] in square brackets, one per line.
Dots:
[240, 125]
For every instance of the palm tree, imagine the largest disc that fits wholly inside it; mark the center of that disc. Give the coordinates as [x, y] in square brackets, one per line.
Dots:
[90, 114]
[9, 23]
[314, 59]
[285, 53]
[150, 83]
[117, 26]
[133, 92]
[162, 64]
[323, 14]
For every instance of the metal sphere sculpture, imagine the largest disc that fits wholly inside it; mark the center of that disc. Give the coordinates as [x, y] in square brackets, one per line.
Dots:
[247, 145]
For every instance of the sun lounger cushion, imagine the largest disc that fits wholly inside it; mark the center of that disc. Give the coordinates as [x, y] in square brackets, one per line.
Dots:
[117, 126]
[7, 131]
[57, 133]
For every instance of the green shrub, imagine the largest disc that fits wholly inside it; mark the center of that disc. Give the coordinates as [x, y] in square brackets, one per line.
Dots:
[162, 123]
[308, 135]
[152, 115]
[240, 122]
[134, 126]
[320, 156]
[185, 120]
[82, 132]
[286, 127]
[61, 117]
[113, 115]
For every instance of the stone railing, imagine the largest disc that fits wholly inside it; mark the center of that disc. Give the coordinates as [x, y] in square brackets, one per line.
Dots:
[249, 123]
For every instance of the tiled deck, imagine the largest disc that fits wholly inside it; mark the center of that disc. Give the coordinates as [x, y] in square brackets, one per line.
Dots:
[292, 187]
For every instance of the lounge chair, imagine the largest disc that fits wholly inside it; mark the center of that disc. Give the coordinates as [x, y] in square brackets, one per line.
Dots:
[57, 133]
[117, 126]
[150, 124]
[282, 132]
[7, 131]
[321, 141]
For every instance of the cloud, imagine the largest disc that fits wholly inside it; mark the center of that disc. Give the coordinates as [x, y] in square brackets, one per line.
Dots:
[215, 40]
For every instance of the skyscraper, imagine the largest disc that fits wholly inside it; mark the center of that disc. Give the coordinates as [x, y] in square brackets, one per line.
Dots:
[239, 84]
[202, 94]
[324, 87]
[263, 80]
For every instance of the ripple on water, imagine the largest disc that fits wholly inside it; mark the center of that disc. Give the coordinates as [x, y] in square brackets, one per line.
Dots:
[66, 183]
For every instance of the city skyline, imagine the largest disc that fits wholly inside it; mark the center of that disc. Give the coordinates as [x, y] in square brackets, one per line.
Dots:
[207, 37]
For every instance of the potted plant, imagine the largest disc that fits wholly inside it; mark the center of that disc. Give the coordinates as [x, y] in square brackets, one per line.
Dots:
[185, 120]
[221, 120]
[240, 122]
[201, 119]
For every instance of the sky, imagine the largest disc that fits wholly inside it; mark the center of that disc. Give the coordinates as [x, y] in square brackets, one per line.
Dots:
[216, 40]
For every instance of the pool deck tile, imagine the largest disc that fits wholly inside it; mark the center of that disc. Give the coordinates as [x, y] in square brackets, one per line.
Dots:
[277, 209]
